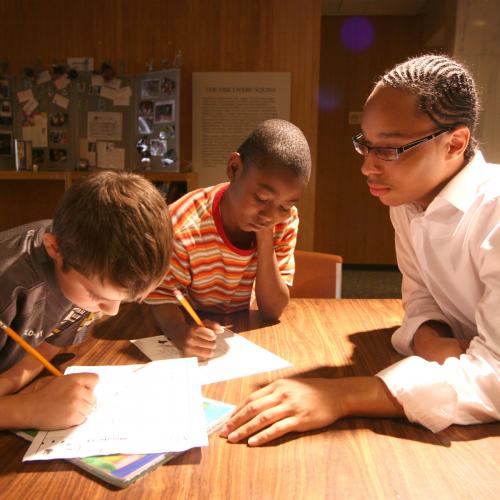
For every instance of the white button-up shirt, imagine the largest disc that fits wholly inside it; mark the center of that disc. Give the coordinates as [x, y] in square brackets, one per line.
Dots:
[449, 256]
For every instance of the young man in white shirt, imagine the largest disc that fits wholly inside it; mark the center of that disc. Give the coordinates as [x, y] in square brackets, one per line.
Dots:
[420, 159]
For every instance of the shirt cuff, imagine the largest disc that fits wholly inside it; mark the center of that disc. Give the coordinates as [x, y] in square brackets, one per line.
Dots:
[402, 338]
[422, 390]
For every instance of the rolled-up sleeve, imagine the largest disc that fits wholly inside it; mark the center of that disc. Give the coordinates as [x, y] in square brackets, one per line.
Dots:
[464, 390]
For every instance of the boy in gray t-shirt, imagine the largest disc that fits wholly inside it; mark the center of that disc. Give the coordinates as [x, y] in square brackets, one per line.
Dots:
[110, 241]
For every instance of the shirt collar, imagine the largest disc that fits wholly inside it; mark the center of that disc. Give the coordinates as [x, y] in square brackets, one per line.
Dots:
[461, 190]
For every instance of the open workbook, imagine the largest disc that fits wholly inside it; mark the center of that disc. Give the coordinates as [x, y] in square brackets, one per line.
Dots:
[144, 415]
[122, 470]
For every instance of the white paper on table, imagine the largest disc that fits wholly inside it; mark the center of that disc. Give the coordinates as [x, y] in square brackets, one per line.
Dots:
[151, 408]
[235, 356]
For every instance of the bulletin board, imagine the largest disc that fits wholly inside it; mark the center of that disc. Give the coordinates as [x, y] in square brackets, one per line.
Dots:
[90, 121]
[157, 119]
[7, 120]
[104, 121]
[44, 115]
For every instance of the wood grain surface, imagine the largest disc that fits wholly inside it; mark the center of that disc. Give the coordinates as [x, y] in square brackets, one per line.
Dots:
[355, 458]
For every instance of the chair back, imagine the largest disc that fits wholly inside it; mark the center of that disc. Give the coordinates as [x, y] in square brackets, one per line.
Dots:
[317, 275]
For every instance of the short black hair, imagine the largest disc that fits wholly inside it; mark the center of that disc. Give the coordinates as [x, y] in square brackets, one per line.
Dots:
[445, 88]
[277, 143]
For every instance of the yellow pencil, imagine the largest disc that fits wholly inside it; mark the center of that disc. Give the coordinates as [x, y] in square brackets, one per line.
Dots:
[187, 306]
[31, 350]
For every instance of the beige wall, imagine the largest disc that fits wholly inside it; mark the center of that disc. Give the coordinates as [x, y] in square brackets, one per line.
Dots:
[477, 42]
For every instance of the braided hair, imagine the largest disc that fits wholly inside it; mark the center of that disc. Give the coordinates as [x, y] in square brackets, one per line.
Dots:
[445, 88]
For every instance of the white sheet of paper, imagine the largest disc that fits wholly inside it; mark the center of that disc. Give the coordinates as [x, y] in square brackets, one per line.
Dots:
[25, 95]
[109, 156]
[62, 82]
[30, 106]
[43, 77]
[235, 356]
[121, 101]
[104, 126]
[115, 83]
[61, 101]
[107, 93]
[151, 408]
[97, 80]
[37, 132]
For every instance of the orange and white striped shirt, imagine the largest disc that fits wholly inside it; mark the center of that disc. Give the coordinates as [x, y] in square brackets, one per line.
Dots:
[216, 275]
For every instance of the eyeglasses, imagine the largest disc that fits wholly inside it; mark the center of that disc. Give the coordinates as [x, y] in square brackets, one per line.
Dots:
[391, 154]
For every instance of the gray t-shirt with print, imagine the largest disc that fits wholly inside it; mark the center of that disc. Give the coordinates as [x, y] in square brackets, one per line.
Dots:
[31, 302]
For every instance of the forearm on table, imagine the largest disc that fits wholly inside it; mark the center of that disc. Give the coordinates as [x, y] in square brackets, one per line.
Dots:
[366, 397]
[23, 372]
[11, 412]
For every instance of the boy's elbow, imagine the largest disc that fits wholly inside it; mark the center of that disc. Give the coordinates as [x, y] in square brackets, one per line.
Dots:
[272, 314]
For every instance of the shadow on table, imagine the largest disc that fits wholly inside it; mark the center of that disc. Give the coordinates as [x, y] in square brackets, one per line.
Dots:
[402, 429]
[136, 321]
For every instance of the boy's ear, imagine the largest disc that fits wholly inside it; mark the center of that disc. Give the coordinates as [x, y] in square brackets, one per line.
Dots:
[51, 245]
[459, 139]
[234, 166]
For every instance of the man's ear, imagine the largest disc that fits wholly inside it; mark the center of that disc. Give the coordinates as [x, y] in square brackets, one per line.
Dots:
[234, 166]
[52, 247]
[458, 141]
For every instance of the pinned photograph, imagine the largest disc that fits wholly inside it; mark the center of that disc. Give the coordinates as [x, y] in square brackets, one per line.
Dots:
[57, 155]
[4, 89]
[38, 156]
[169, 131]
[5, 113]
[167, 86]
[164, 111]
[150, 88]
[58, 137]
[145, 125]
[5, 143]
[58, 119]
[146, 108]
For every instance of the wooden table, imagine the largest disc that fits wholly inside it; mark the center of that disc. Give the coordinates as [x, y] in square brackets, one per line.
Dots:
[355, 458]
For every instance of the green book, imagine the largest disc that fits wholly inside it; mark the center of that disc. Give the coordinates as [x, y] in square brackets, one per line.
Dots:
[121, 470]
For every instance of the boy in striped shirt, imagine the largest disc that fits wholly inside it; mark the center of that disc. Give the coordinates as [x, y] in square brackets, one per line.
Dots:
[234, 241]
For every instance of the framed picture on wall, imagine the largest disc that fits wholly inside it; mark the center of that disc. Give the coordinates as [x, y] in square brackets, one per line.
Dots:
[150, 88]
[164, 111]
[5, 112]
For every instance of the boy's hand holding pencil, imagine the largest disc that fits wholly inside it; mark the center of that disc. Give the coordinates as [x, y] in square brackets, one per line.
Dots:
[198, 340]
[56, 403]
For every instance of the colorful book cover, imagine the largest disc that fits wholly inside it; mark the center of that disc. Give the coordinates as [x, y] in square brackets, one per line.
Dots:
[122, 470]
